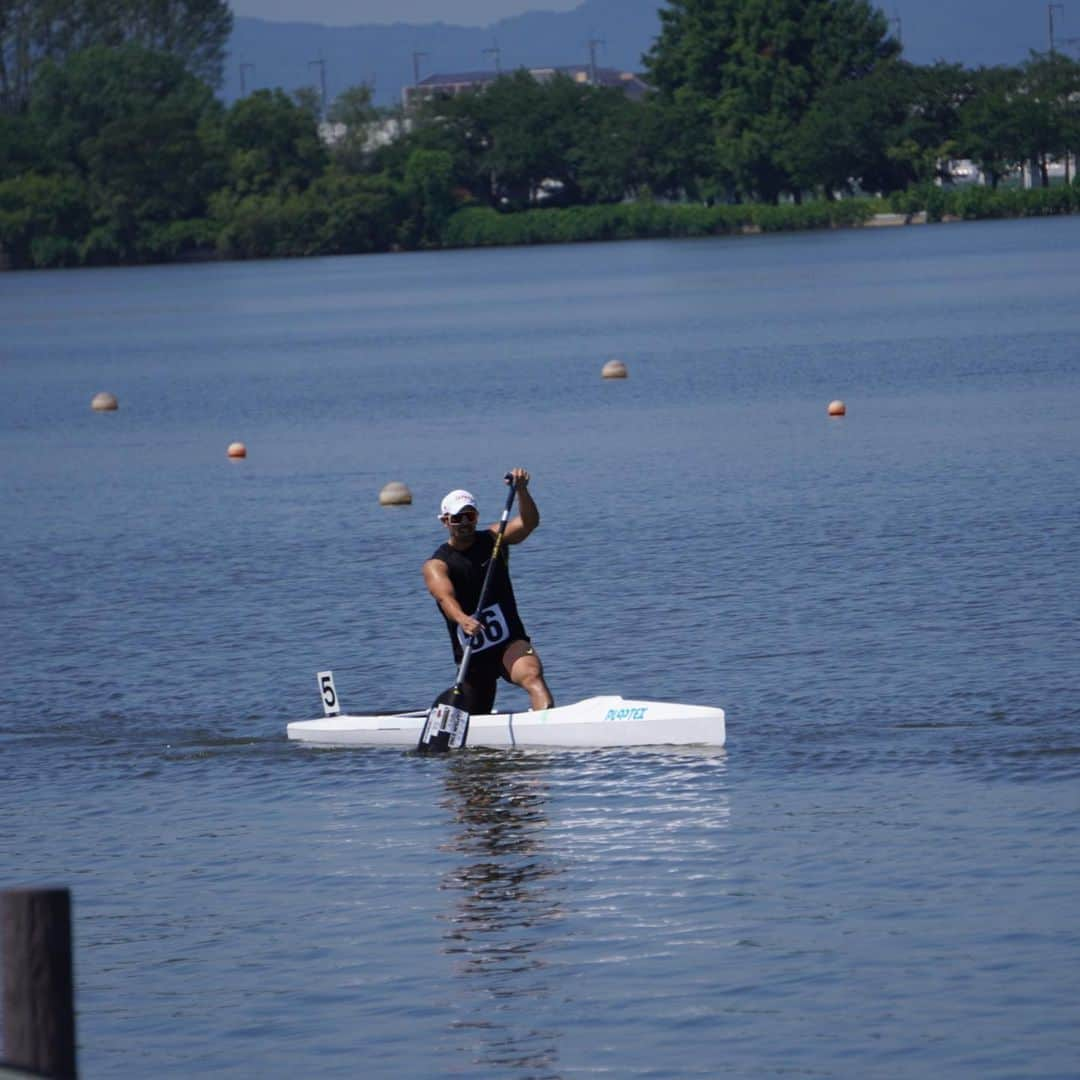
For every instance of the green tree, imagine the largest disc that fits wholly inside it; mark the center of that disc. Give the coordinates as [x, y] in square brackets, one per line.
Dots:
[678, 149]
[354, 118]
[262, 226]
[842, 144]
[20, 146]
[512, 128]
[523, 139]
[757, 67]
[597, 142]
[338, 214]
[1050, 92]
[136, 128]
[42, 220]
[429, 177]
[197, 31]
[991, 131]
[927, 136]
[273, 145]
[359, 213]
[33, 32]
[489, 158]
[309, 100]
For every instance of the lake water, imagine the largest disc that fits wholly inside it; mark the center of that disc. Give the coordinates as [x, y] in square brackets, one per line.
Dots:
[877, 877]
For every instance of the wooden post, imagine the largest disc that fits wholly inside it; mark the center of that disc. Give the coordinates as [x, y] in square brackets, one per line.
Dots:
[39, 998]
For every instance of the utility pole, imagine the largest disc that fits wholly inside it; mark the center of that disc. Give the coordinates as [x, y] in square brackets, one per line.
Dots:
[243, 83]
[494, 50]
[593, 42]
[1050, 8]
[321, 64]
[1050, 18]
[895, 21]
[416, 67]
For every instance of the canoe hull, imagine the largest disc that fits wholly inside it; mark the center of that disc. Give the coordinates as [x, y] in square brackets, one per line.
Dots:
[595, 722]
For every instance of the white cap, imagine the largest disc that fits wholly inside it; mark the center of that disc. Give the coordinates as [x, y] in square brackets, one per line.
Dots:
[455, 502]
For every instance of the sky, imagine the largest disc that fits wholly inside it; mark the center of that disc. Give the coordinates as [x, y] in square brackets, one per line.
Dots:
[353, 12]
[972, 32]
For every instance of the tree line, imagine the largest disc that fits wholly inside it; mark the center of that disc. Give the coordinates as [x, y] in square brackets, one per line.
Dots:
[115, 149]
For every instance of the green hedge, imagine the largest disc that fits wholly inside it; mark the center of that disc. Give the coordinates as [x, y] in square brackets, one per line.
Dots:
[978, 203]
[46, 221]
[484, 227]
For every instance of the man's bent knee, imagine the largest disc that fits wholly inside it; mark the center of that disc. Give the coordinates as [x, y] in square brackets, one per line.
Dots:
[520, 654]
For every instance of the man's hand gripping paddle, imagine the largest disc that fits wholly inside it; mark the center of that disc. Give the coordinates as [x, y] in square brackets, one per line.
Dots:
[447, 723]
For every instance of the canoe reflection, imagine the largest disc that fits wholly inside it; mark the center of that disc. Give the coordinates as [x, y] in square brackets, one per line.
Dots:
[507, 901]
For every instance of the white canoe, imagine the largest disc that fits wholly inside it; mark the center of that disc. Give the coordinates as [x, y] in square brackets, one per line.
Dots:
[596, 721]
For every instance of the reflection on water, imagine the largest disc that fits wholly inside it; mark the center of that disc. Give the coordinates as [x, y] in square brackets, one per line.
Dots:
[506, 899]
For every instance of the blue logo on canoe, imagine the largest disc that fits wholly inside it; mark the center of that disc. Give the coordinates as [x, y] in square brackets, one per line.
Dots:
[626, 714]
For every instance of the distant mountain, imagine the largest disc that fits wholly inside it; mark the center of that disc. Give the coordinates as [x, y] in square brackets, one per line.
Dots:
[972, 32]
[287, 54]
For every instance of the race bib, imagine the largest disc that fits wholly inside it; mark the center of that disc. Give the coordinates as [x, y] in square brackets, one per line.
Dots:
[495, 630]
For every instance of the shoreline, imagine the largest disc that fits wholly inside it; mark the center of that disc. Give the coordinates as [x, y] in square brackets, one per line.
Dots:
[477, 227]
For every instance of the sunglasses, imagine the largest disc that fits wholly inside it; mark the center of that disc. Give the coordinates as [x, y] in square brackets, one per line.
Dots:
[465, 515]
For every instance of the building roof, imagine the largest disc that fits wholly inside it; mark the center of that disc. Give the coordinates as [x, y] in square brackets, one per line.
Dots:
[456, 82]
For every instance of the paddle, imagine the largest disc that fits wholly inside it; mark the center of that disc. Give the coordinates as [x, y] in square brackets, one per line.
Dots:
[447, 723]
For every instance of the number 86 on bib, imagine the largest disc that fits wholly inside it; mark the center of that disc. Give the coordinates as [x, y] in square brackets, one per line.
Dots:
[494, 629]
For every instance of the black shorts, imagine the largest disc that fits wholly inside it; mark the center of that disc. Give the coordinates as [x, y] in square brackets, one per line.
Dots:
[482, 679]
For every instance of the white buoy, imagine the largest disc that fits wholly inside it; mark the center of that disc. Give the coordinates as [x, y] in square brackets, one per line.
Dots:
[614, 369]
[395, 494]
[837, 408]
[237, 450]
[104, 402]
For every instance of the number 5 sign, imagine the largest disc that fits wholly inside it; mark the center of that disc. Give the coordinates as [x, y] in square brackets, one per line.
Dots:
[331, 705]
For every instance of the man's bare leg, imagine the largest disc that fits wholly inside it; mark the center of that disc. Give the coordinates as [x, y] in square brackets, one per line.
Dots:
[525, 670]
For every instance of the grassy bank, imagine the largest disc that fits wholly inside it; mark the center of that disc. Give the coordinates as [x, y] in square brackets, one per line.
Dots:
[484, 227]
[978, 203]
[279, 234]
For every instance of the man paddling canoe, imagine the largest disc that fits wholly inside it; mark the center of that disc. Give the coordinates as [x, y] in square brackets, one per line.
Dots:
[454, 576]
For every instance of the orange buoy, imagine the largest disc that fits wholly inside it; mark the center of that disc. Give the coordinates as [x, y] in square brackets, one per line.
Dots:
[104, 402]
[837, 408]
[614, 369]
[395, 494]
[237, 450]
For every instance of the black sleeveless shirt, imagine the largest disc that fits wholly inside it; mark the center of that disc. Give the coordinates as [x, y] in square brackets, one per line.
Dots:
[502, 624]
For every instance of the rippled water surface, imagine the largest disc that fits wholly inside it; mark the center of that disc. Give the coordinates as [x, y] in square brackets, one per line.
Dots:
[876, 877]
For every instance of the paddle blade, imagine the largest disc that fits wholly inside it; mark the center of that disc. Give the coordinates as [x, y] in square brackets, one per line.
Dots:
[446, 726]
